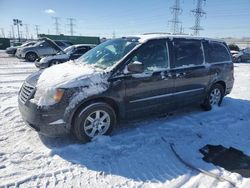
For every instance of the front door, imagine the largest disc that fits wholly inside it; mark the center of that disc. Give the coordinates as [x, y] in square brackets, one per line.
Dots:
[150, 91]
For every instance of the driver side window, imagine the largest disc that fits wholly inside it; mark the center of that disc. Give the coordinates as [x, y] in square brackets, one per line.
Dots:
[153, 55]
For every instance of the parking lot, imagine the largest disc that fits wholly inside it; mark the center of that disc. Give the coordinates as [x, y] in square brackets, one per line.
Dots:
[134, 156]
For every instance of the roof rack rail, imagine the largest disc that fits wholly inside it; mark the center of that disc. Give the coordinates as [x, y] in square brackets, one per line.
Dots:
[157, 33]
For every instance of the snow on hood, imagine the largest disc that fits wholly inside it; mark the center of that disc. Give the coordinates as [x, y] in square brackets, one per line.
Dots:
[64, 75]
[59, 56]
[69, 75]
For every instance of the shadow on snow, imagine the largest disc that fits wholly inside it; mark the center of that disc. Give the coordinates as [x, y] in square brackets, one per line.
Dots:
[137, 151]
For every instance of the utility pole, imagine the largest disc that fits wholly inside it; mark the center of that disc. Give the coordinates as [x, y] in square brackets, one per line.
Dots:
[57, 25]
[176, 11]
[198, 13]
[71, 25]
[18, 23]
[27, 31]
[13, 31]
[37, 30]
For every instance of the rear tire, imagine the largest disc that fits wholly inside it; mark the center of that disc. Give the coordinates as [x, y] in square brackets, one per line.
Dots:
[95, 119]
[214, 97]
[31, 56]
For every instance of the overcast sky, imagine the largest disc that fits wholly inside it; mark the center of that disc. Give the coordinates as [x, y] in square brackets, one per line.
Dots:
[224, 18]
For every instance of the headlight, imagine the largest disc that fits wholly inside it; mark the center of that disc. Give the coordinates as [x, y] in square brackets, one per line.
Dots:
[48, 97]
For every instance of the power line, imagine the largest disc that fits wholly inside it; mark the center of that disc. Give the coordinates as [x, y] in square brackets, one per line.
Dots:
[71, 25]
[198, 13]
[176, 11]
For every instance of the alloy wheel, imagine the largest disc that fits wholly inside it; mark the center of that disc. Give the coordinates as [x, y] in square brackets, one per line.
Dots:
[215, 97]
[97, 123]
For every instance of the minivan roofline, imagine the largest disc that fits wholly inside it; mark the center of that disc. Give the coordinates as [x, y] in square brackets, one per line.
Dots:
[146, 37]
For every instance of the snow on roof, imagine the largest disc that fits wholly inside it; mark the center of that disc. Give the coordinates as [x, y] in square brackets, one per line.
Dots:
[144, 38]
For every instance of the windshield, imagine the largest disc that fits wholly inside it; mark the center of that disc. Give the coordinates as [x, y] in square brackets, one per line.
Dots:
[108, 53]
[67, 50]
[38, 43]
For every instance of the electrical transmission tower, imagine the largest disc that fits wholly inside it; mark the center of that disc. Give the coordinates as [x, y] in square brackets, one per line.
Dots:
[57, 25]
[71, 25]
[198, 13]
[176, 11]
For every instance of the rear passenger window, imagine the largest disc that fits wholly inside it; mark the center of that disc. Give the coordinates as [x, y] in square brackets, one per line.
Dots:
[216, 52]
[187, 53]
[153, 55]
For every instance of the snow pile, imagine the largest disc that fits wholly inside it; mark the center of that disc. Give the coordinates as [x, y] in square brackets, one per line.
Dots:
[69, 75]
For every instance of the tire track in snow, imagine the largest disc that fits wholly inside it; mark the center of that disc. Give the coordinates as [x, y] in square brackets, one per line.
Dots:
[14, 73]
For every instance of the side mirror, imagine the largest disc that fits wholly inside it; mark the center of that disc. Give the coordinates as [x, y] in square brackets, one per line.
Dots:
[135, 67]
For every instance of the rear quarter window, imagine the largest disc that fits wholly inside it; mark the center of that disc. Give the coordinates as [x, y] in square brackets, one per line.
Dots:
[216, 52]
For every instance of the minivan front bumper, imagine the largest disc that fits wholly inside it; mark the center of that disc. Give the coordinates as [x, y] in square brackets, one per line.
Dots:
[44, 120]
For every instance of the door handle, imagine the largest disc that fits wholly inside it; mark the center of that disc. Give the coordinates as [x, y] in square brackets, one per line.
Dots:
[180, 75]
[166, 75]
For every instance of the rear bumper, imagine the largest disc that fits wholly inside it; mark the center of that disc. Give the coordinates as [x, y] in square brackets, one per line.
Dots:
[10, 52]
[229, 87]
[45, 121]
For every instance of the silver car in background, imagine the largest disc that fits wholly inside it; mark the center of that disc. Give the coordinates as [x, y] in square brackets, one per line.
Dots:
[40, 49]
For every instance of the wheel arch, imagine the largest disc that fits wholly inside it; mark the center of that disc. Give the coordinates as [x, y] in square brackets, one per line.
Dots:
[111, 102]
[30, 52]
[222, 83]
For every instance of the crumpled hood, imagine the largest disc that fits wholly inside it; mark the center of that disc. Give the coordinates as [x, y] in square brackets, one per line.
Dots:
[68, 75]
[54, 57]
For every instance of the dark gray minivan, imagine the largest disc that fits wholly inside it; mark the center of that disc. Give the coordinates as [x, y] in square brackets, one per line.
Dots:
[126, 78]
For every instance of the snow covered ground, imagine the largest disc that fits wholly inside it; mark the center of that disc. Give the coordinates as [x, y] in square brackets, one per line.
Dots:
[135, 156]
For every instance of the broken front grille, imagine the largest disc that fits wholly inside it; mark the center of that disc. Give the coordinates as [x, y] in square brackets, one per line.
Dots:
[26, 93]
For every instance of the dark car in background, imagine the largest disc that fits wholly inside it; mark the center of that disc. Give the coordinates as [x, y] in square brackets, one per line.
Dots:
[12, 50]
[42, 48]
[126, 78]
[242, 56]
[70, 53]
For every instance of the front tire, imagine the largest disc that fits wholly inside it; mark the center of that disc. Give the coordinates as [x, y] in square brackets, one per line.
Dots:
[31, 56]
[93, 120]
[214, 97]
